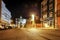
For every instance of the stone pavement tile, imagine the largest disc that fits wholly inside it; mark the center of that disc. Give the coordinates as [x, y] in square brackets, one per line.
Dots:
[47, 36]
[9, 39]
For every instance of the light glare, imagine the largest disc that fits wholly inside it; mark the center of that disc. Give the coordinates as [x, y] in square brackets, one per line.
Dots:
[33, 30]
[46, 25]
[32, 17]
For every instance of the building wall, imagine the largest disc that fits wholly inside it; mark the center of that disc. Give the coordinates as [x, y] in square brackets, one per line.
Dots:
[5, 14]
[58, 12]
[0, 10]
[48, 11]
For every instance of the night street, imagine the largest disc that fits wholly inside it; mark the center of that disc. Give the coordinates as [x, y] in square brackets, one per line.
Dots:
[29, 19]
[30, 34]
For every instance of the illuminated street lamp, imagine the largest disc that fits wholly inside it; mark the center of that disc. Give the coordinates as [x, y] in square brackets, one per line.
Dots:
[32, 19]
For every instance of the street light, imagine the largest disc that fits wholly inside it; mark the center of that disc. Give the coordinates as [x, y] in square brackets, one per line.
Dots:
[32, 17]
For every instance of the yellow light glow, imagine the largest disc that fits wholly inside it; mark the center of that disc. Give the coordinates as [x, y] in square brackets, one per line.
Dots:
[46, 25]
[32, 17]
[33, 30]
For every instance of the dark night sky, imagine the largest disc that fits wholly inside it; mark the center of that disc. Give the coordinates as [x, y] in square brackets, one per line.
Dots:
[21, 7]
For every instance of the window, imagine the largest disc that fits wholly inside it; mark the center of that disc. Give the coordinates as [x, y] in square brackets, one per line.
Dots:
[50, 6]
[50, 1]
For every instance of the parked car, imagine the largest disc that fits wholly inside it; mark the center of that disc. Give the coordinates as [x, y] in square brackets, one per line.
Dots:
[8, 27]
[1, 27]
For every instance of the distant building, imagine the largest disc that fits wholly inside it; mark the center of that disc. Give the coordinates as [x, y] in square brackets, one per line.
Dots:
[5, 17]
[20, 22]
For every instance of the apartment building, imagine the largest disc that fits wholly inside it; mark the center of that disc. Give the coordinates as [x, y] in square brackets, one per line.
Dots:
[48, 13]
[5, 17]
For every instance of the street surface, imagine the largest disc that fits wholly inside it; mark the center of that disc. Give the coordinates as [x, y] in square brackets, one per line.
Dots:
[30, 34]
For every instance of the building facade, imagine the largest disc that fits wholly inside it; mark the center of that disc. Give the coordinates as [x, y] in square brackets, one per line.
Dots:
[58, 12]
[48, 14]
[5, 17]
[20, 22]
[0, 10]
